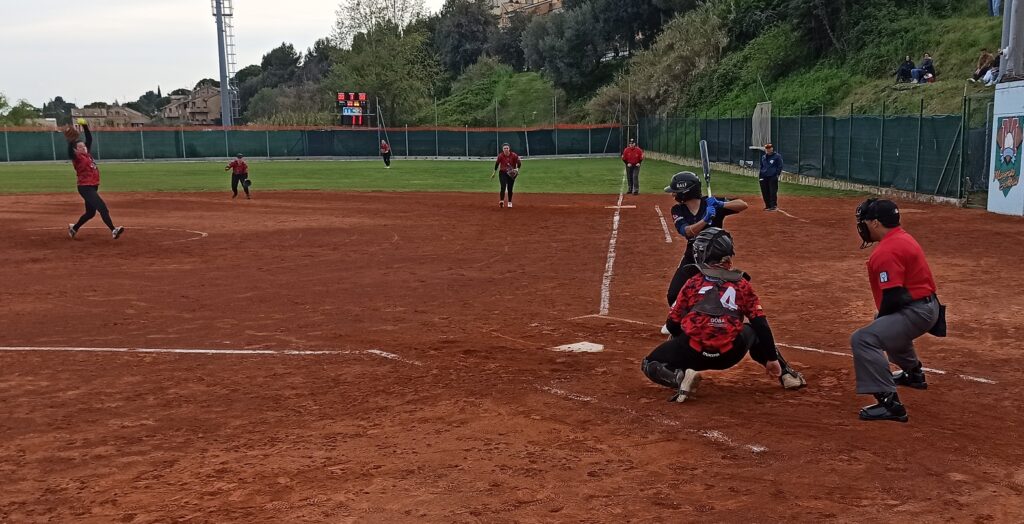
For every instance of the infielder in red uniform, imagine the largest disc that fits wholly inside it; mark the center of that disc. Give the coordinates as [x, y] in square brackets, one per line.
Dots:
[239, 173]
[632, 156]
[385, 153]
[707, 323]
[88, 181]
[507, 167]
[904, 293]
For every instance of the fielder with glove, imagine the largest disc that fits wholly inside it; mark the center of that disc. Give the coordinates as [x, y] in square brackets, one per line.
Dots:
[507, 167]
[239, 174]
[707, 324]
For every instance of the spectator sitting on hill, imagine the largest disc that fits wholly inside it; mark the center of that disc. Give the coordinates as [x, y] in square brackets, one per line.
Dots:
[925, 73]
[903, 73]
[992, 75]
[984, 64]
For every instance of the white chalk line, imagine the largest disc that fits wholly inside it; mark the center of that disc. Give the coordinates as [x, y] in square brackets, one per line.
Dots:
[196, 351]
[664, 224]
[710, 434]
[970, 378]
[791, 216]
[606, 281]
[200, 234]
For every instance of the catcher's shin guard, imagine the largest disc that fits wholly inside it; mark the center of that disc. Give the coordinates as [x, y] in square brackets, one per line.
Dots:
[659, 373]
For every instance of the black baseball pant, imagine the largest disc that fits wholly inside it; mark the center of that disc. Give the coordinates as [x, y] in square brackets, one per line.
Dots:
[387, 158]
[633, 178]
[507, 182]
[93, 203]
[770, 191]
[677, 353]
[236, 179]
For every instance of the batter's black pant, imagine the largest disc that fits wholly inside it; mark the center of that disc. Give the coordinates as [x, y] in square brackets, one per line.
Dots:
[633, 178]
[235, 179]
[770, 191]
[387, 159]
[677, 354]
[93, 203]
[507, 182]
[684, 272]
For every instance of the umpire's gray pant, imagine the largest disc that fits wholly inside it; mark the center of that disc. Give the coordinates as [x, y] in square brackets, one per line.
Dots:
[893, 336]
[633, 177]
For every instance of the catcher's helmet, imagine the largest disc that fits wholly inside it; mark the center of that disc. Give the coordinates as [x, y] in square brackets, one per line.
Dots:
[712, 245]
[685, 183]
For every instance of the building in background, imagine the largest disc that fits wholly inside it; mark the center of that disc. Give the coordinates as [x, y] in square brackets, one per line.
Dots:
[506, 8]
[113, 116]
[200, 107]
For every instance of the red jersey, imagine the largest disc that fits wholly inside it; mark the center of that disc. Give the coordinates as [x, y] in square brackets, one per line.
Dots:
[508, 162]
[85, 168]
[385, 148]
[898, 261]
[633, 155]
[239, 167]
[714, 332]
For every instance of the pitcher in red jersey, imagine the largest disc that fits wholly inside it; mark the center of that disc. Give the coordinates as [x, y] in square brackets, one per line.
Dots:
[88, 181]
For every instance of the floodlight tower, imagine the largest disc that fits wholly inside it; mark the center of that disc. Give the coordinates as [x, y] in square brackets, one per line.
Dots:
[223, 12]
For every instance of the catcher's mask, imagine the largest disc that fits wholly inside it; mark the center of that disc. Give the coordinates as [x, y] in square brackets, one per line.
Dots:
[711, 246]
[884, 211]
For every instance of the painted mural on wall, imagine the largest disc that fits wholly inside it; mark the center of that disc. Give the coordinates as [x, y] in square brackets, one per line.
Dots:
[1007, 161]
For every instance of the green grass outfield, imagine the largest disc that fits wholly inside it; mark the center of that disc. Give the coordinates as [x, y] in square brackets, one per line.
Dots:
[591, 175]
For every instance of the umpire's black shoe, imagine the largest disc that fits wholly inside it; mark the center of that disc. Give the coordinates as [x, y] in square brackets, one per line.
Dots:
[888, 407]
[913, 378]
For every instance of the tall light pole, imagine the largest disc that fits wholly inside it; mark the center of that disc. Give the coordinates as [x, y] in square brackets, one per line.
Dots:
[226, 111]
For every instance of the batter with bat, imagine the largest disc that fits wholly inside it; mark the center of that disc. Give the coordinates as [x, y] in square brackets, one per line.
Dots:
[88, 180]
[707, 324]
[506, 166]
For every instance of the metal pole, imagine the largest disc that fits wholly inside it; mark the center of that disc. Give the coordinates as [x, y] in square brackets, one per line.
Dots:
[142, 143]
[267, 133]
[1007, 15]
[53, 146]
[730, 136]
[881, 144]
[436, 148]
[227, 148]
[964, 140]
[184, 154]
[590, 143]
[917, 158]
[849, 148]
[821, 166]
[225, 88]
[7, 146]
[467, 140]
[799, 141]
[407, 140]
[497, 139]
[554, 111]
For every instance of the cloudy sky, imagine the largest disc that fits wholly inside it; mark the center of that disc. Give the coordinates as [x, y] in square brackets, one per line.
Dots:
[102, 50]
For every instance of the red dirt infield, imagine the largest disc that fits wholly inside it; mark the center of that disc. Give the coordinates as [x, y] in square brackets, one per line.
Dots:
[439, 399]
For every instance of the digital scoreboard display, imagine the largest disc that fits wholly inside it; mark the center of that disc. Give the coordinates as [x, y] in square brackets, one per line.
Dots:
[352, 108]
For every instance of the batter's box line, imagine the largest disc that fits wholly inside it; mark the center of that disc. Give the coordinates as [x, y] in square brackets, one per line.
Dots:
[970, 378]
[197, 351]
[710, 434]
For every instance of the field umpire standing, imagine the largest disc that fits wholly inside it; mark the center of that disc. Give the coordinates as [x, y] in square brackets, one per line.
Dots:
[768, 177]
[632, 156]
[88, 181]
[507, 167]
[904, 293]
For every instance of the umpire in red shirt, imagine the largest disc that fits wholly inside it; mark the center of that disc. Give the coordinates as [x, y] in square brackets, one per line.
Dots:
[904, 293]
[632, 156]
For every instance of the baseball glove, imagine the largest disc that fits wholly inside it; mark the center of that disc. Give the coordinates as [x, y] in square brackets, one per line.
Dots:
[512, 173]
[247, 182]
[71, 134]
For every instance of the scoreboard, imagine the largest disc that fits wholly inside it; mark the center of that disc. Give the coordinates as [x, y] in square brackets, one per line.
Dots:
[353, 108]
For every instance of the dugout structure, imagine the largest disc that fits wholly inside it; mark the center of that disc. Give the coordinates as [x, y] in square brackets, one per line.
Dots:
[35, 144]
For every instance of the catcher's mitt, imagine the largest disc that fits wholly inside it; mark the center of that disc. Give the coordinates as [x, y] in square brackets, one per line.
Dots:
[71, 134]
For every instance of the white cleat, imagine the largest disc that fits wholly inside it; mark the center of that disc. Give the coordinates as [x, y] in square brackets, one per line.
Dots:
[510, 205]
[71, 231]
[116, 232]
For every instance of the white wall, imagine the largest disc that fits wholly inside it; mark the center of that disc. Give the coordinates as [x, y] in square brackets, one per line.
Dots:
[1006, 195]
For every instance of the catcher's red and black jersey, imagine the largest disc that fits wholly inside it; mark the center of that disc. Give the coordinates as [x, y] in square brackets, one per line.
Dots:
[711, 311]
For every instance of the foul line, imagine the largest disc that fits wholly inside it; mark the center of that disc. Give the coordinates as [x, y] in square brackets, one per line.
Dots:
[664, 225]
[606, 281]
[791, 216]
[193, 351]
[200, 234]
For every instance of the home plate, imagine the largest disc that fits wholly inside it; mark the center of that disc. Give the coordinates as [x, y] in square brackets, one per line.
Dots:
[580, 347]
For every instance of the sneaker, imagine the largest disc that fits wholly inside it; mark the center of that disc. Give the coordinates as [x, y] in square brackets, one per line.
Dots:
[888, 407]
[248, 197]
[510, 204]
[688, 382]
[972, 80]
[792, 379]
[773, 208]
[501, 203]
[116, 232]
[664, 330]
[635, 193]
[913, 378]
[234, 195]
[71, 231]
